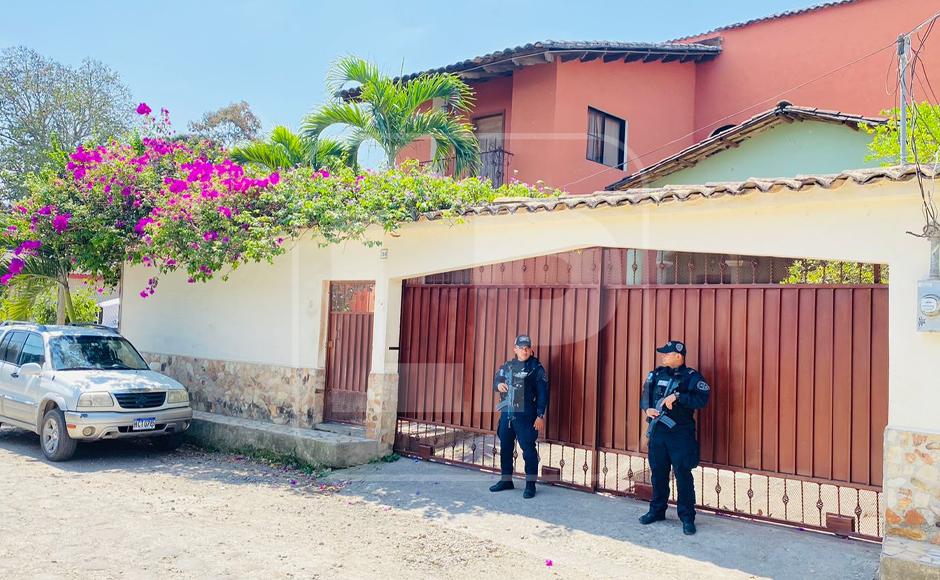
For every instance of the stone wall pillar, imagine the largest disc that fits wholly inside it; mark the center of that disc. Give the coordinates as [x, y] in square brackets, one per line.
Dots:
[382, 398]
[911, 548]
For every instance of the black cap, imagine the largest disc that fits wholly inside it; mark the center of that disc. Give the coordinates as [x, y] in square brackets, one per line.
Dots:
[523, 340]
[672, 346]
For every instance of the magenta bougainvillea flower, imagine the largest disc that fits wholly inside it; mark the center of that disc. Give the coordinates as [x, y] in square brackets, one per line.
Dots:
[16, 266]
[28, 247]
[176, 191]
[60, 222]
[142, 224]
[177, 185]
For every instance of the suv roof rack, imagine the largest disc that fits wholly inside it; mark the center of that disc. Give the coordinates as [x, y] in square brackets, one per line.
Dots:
[93, 325]
[24, 323]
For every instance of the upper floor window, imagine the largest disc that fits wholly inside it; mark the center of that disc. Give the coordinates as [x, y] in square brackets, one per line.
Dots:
[607, 138]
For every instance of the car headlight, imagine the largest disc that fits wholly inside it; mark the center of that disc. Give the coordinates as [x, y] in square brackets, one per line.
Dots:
[177, 396]
[95, 400]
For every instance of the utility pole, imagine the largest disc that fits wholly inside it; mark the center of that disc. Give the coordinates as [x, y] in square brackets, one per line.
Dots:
[904, 43]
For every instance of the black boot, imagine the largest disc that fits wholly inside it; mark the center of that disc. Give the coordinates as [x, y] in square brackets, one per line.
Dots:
[650, 517]
[502, 486]
[529, 492]
[688, 528]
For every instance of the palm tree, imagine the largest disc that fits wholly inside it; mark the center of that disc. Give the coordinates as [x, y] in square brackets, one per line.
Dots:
[286, 149]
[395, 113]
[39, 275]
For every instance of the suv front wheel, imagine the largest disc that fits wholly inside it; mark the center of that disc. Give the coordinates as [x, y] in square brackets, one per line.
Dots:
[54, 437]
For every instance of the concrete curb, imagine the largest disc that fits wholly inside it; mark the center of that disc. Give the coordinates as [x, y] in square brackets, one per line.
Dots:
[320, 448]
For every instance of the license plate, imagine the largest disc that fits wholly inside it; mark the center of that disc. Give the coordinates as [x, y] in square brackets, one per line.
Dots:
[145, 424]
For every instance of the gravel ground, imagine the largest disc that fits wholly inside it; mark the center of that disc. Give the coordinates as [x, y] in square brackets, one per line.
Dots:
[121, 510]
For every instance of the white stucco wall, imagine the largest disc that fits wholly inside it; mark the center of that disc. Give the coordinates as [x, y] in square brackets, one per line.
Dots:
[271, 314]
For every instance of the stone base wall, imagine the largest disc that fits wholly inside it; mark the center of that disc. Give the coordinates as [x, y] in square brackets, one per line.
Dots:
[912, 505]
[277, 394]
[382, 408]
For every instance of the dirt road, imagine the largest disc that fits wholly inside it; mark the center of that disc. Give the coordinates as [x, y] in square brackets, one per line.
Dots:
[121, 510]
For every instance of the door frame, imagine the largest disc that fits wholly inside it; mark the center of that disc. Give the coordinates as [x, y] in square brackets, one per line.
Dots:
[363, 354]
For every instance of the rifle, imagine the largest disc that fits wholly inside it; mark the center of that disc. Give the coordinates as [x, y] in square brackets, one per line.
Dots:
[662, 418]
[507, 403]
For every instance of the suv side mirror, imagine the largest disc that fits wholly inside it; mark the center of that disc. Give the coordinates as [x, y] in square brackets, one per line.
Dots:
[155, 366]
[30, 369]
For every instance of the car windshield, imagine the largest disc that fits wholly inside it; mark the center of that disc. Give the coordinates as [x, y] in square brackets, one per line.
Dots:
[94, 353]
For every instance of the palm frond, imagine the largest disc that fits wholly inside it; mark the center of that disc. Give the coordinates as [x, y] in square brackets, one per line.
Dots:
[454, 139]
[394, 113]
[266, 155]
[455, 94]
[37, 277]
[351, 69]
[357, 138]
[332, 153]
[296, 148]
[349, 114]
[22, 294]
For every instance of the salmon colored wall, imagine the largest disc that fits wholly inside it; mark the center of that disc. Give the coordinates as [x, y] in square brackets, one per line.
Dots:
[532, 142]
[669, 106]
[761, 60]
[492, 98]
[656, 100]
[420, 150]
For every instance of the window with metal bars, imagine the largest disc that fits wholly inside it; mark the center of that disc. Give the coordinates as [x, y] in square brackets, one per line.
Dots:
[606, 138]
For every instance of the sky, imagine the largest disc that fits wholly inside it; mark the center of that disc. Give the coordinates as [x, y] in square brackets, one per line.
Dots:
[198, 55]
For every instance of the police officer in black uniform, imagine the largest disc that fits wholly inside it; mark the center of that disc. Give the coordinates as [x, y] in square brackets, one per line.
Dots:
[522, 386]
[671, 394]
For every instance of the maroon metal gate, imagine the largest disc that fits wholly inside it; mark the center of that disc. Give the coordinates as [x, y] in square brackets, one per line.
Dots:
[349, 351]
[793, 432]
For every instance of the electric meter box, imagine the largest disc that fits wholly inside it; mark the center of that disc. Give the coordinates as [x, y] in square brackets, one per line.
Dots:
[928, 305]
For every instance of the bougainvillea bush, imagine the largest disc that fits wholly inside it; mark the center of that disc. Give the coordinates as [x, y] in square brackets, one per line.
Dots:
[178, 204]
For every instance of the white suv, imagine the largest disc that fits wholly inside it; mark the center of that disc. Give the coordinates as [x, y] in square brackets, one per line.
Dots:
[85, 383]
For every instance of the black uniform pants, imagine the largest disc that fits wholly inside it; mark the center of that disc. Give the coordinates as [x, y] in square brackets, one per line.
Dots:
[674, 448]
[519, 428]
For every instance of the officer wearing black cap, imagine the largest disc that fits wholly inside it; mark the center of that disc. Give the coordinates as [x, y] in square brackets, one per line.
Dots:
[522, 386]
[671, 394]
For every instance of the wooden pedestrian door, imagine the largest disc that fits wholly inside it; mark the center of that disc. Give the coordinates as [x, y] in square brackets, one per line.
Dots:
[349, 351]
[796, 352]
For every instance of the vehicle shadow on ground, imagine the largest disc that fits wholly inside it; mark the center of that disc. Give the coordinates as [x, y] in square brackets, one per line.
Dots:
[139, 456]
[453, 494]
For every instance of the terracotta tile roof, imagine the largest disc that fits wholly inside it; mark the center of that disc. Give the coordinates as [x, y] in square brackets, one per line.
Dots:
[504, 62]
[766, 18]
[784, 112]
[679, 193]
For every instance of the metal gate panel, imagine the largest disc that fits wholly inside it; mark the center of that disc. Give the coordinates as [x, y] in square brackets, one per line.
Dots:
[349, 351]
[799, 375]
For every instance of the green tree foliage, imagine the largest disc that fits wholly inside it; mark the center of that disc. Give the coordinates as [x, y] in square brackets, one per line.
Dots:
[44, 103]
[173, 205]
[834, 272]
[923, 140]
[287, 150]
[394, 114]
[43, 307]
[232, 124]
